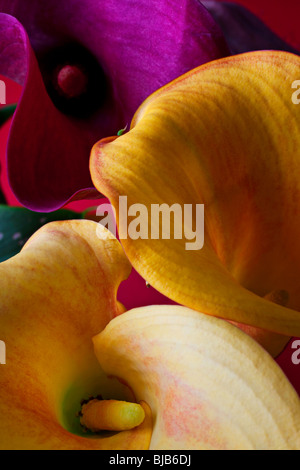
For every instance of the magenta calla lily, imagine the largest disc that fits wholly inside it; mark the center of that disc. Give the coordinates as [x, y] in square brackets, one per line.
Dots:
[120, 53]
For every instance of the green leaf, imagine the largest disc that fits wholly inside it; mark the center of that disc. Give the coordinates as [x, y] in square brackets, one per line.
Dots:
[17, 224]
[6, 113]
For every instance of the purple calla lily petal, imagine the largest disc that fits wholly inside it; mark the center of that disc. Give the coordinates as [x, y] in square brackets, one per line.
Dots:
[127, 50]
[244, 31]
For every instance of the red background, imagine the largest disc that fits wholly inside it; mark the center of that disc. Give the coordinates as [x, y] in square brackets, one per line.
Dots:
[283, 17]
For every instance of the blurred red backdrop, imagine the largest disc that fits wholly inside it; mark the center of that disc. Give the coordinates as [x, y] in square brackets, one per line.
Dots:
[283, 18]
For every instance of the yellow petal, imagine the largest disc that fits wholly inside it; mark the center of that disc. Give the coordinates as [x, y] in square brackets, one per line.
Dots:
[208, 384]
[226, 135]
[54, 297]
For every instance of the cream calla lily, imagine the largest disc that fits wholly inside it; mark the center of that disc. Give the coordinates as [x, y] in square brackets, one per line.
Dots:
[209, 385]
[226, 135]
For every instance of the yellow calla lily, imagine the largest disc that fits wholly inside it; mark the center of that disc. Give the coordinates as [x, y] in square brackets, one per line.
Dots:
[55, 296]
[209, 385]
[226, 135]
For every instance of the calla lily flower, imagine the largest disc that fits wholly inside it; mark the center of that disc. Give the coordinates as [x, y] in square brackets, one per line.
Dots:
[226, 135]
[202, 383]
[56, 294]
[86, 67]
